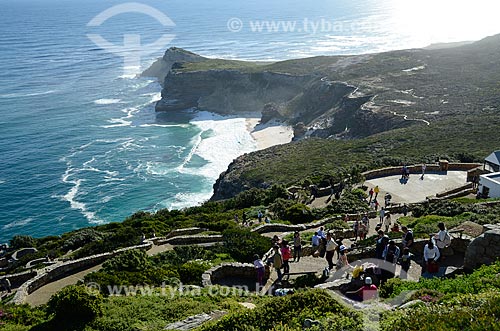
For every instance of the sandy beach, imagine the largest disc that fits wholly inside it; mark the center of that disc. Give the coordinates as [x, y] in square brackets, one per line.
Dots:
[269, 134]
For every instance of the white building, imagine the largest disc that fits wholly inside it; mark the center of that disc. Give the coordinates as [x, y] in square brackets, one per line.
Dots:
[489, 185]
[492, 162]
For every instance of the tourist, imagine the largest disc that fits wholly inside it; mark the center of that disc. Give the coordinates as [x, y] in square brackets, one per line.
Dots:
[277, 261]
[387, 199]
[381, 242]
[286, 254]
[363, 231]
[267, 220]
[423, 171]
[370, 194]
[321, 232]
[407, 237]
[244, 218]
[297, 246]
[375, 204]
[365, 220]
[431, 256]
[376, 190]
[387, 222]
[405, 262]
[355, 228]
[366, 292]
[315, 241]
[259, 216]
[442, 239]
[342, 260]
[276, 240]
[331, 246]
[382, 215]
[390, 255]
[259, 266]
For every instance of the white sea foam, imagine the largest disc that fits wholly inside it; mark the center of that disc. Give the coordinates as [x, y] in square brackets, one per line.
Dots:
[122, 121]
[107, 101]
[183, 200]
[2, 181]
[23, 95]
[72, 195]
[164, 125]
[18, 223]
[229, 140]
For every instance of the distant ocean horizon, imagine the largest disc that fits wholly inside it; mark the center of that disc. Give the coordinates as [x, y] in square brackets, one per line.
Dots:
[80, 142]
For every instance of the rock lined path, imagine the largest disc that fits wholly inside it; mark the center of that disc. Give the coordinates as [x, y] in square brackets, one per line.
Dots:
[42, 295]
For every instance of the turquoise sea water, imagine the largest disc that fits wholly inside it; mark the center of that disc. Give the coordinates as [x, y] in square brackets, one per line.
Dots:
[80, 143]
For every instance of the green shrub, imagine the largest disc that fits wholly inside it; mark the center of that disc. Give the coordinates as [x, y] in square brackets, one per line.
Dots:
[20, 241]
[82, 237]
[190, 272]
[242, 244]
[75, 303]
[291, 311]
[298, 214]
[130, 260]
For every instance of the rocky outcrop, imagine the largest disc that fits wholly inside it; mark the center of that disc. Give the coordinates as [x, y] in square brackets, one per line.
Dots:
[161, 67]
[485, 249]
[228, 91]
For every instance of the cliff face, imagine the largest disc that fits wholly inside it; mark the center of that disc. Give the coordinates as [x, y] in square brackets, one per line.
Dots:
[161, 67]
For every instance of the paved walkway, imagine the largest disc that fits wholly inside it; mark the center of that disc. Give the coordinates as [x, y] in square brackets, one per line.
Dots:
[417, 189]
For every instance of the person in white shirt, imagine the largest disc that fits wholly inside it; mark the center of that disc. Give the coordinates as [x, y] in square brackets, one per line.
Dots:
[442, 238]
[431, 256]
[321, 233]
[331, 247]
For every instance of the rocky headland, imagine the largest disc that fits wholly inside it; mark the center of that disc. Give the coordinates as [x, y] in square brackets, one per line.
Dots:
[338, 97]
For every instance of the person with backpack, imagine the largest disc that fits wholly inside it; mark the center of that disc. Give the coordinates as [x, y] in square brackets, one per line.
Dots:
[407, 237]
[405, 263]
[391, 255]
[381, 242]
[442, 239]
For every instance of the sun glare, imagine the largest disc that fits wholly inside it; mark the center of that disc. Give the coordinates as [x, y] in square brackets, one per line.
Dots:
[446, 20]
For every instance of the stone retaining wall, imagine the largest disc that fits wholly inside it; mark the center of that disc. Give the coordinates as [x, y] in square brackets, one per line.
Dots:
[58, 271]
[454, 191]
[184, 232]
[224, 270]
[485, 249]
[18, 279]
[417, 169]
[191, 240]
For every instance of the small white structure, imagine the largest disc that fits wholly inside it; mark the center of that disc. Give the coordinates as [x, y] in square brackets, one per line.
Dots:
[489, 185]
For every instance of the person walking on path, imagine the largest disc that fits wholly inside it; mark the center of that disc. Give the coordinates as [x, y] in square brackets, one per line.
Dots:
[342, 260]
[405, 262]
[423, 171]
[370, 194]
[376, 190]
[277, 261]
[331, 247]
[259, 266]
[297, 246]
[381, 214]
[387, 222]
[286, 254]
[315, 241]
[381, 242]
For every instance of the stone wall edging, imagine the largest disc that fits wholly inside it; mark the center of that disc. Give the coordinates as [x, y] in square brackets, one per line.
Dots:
[416, 169]
[57, 271]
[191, 240]
[212, 275]
[484, 249]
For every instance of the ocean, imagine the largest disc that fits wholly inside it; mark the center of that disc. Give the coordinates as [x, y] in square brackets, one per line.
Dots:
[80, 142]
